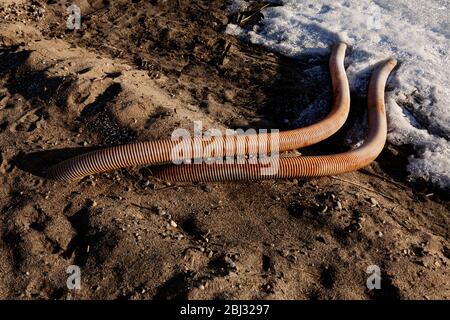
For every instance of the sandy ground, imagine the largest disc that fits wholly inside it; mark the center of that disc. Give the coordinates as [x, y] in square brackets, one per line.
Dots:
[137, 70]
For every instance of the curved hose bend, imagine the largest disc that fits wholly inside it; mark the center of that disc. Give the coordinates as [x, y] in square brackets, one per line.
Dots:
[303, 166]
[160, 151]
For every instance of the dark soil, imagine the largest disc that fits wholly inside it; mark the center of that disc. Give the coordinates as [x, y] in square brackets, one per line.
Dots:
[137, 70]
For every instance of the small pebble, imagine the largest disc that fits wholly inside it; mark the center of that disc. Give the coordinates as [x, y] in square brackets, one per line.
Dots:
[173, 224]
[374, 202]
[207, 189]
[160, 211]
[285, 253]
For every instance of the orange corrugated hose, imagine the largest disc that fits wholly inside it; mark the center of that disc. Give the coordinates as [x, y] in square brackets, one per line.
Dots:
[303, 166]
[160, 151]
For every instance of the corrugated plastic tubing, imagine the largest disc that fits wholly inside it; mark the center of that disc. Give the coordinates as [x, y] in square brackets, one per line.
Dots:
[303, 166]
[160, 151]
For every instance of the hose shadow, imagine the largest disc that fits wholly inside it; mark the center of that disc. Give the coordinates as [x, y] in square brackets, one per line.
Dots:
[38, 162]
[301, 95]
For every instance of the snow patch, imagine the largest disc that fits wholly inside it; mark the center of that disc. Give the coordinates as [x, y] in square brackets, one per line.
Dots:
[416, 33]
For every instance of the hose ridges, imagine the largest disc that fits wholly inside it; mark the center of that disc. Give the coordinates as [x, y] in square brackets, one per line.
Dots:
[161, 151]
[307, 166]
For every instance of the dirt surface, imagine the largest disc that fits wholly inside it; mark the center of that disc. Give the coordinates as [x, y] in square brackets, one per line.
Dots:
[135, 71]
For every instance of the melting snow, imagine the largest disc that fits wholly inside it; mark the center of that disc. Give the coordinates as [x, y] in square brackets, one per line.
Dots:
[417, 33]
